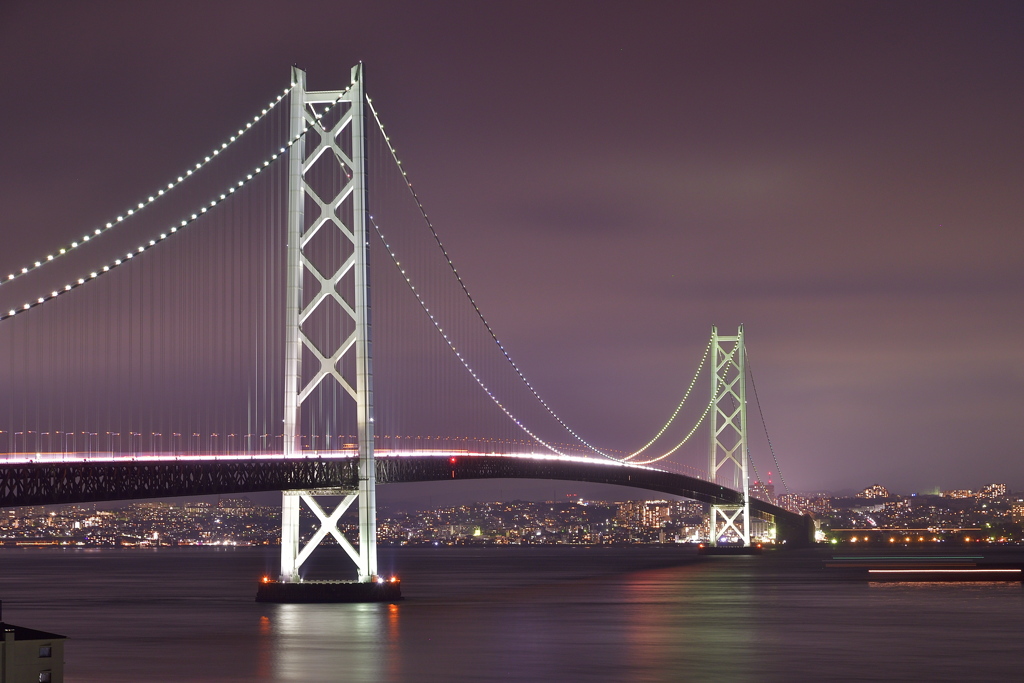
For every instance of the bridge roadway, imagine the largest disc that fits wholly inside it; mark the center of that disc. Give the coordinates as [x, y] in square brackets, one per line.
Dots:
[50, 479]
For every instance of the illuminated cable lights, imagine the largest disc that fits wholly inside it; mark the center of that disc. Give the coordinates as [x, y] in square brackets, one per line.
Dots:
[257, 170]
[693, 431]
[462, 360]
[679, 407]
[472, 301]
[171, 230]
[494, 337]
[151, 198]
[497, 401]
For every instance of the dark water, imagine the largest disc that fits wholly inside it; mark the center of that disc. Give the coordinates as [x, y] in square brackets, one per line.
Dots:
[513, 614]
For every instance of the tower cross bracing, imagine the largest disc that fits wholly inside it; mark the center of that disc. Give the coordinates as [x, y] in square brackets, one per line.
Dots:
[728, 452]
[329, 148]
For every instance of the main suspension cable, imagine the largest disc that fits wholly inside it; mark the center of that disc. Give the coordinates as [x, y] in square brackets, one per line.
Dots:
[465, 290]
[451, 345]
[149, 200]
[501, 347]
[679, 407]
[757, 400]
[145, 246]
[757, 477]
[707, 409]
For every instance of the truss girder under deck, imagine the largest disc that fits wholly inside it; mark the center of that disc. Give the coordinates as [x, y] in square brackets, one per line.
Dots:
[83, 482]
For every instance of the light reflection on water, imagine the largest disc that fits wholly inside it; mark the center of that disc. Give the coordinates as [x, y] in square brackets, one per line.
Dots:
[512, 614]
[680, 619]
[309, 641]
[961, 586]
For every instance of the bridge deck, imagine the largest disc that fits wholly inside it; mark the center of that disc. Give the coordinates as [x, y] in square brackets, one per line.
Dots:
[49, 480]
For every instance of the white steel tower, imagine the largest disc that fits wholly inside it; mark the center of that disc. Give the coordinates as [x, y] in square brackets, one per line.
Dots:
[729, 434]
[343, 144]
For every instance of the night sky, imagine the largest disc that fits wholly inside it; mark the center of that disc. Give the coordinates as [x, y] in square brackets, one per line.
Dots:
[844, 179]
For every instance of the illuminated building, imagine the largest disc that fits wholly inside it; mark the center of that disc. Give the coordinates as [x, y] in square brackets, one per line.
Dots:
[874, 491]
[793, 502]
[992, 491]
[1017, 512]
[764, 491]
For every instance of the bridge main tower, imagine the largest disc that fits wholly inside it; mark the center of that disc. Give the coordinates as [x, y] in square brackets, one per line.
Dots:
[343, 144]
[728, 453]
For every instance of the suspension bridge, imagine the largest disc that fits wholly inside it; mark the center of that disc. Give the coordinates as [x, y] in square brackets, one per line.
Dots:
[215, 336]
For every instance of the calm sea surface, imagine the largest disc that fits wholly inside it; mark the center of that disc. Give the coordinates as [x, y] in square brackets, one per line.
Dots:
[512, 614]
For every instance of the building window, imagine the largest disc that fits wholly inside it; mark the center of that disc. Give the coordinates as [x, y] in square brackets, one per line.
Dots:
[44, 677]
[45, 651]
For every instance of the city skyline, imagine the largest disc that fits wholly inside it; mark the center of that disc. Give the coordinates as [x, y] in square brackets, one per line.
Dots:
[991, 514]
[842, 180]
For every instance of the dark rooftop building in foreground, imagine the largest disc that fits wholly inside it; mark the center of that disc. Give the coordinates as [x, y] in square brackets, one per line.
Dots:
[30, 656]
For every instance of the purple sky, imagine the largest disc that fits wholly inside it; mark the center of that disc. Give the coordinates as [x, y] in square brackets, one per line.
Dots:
[845, 179]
